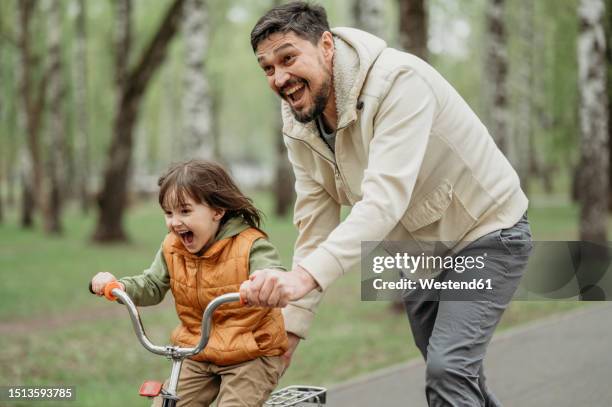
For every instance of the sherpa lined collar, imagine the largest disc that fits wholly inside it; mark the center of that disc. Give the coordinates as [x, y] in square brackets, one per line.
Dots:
[355, 52]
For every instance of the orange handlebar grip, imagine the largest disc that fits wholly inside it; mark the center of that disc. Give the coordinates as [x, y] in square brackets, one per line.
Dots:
[110, 287]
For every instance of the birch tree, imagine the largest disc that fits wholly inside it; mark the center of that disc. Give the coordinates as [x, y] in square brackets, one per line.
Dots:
[524, 130]
[132, 84]
[9, 105]
[497, 73]
[284, 179]
[198, 141]
[608, 31]
[32, 96]
[369, 15]
[81, 131]
[540, 163]
[594, 155]
[3, 117]
[2, 175]
[54, 141]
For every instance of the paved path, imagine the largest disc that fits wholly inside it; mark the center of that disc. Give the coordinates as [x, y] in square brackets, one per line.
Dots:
[561, 361]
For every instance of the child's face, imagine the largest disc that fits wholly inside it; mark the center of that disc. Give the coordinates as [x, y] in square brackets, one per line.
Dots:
[194, 223]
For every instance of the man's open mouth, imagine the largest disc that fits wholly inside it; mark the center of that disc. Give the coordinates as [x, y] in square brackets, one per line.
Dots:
[294, 93]
[186, 237]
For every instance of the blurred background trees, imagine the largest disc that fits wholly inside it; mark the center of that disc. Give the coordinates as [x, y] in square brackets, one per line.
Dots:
[413, 32]
[594, 154]
[131, 86]
[197, 136]
[496, 69]
[284, 194]
[97, 98]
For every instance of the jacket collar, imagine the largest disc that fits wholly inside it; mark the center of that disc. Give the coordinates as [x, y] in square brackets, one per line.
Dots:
[355, 52]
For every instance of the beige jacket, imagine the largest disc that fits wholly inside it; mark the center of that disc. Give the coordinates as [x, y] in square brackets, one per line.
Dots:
[411, 158]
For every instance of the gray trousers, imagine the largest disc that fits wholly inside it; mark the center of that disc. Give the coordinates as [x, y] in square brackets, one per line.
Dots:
[453, 335]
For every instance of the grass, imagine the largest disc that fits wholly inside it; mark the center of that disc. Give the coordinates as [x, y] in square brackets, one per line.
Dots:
[45, 277]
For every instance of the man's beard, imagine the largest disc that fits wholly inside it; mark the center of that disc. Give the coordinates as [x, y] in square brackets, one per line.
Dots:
[320, 101]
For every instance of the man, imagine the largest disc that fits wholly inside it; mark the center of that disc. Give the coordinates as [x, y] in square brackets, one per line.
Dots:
[378, 129]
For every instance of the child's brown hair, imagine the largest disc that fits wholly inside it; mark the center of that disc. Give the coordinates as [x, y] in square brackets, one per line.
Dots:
[206, 183]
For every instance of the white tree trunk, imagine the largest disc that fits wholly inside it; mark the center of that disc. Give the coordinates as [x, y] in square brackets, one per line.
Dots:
[27, 118]
[113, 196]
[4, 167]
[26, 166]
[81, 136]
[54, 141]
[369, 15]
[170, 149]
[497, 74]
[523, 129]
[197, 105]
[594, 182]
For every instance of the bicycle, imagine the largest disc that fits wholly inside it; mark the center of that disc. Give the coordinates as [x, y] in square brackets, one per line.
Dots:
[286, 397]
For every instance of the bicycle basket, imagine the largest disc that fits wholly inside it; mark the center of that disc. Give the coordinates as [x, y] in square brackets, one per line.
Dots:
[295, 395]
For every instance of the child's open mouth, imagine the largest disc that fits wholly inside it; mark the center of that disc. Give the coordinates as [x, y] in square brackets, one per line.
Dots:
[186, 237]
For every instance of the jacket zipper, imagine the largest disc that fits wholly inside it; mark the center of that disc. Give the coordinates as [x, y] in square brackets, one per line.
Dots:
[197, 285]
[337, 172]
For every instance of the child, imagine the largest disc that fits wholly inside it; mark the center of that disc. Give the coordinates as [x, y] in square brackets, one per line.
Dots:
[213, 243]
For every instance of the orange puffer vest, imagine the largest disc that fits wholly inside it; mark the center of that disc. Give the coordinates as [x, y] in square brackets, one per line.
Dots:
[238, 333]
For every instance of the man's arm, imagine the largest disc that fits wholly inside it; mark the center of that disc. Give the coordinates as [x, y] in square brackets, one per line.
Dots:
[316, 214]
[401, 132]
[263, 255]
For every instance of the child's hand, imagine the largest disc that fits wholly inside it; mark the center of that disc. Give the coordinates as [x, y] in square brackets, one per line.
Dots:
[99, 281]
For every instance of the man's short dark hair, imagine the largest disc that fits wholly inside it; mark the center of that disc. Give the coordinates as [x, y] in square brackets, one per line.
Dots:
[308, 21]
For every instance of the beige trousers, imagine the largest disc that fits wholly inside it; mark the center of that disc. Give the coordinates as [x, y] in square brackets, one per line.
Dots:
[246, 384]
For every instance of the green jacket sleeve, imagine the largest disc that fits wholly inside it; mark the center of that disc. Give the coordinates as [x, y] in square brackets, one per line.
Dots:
[264, 255]
[150, 287]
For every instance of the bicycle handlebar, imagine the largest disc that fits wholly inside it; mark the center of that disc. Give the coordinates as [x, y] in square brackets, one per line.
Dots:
[173, 351]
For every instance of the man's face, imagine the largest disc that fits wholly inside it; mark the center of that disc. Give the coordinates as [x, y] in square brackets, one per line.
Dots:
[298, 71]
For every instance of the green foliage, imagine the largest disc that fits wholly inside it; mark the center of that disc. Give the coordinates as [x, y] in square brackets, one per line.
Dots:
[65, 335]
[248, 111]
[458, 27]
[557, 115]
[45, 280]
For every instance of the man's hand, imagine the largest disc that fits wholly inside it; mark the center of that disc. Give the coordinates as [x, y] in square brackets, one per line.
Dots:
[294, 341]
[275, 288]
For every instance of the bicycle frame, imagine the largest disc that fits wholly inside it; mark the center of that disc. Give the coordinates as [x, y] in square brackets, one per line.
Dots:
[175, 353]
[289, 396]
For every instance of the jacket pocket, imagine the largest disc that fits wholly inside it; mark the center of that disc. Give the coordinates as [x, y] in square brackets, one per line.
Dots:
[270, 334]
[428, 209]
[439, 217]
[250, 345]
[517, 239]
